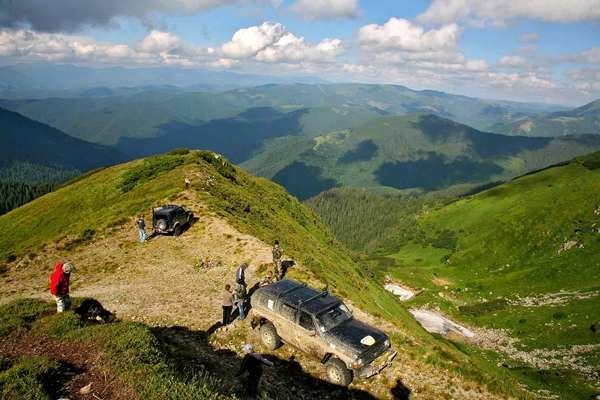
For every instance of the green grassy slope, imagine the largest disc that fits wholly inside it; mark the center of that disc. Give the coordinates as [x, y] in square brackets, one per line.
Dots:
[582, 120]
[417, 151]
[129, 352]
[522, 257]
[253, 205]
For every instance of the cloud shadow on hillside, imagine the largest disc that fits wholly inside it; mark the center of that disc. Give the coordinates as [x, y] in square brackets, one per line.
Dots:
[237, 138]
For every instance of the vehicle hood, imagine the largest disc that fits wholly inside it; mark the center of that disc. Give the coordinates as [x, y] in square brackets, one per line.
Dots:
[349, 334]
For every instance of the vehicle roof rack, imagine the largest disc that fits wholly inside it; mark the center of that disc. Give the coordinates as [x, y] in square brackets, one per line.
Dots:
[316, 296]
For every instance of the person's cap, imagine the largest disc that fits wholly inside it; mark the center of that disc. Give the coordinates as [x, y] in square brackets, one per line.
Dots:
[68, 268]
[247, 348]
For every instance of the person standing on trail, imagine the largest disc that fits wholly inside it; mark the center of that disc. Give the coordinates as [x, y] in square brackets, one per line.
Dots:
[240, 274]
[239, 300]
[252, 364]
[227, 304]
[277, 256]
[59, 285]
[141, 224]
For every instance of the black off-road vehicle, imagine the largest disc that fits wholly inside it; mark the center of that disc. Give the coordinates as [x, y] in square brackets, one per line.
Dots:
[321, 325]
[171, 219]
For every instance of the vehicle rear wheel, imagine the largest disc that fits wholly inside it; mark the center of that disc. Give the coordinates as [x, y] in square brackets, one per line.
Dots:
[269, 336]
[178, 230]
[338, 373]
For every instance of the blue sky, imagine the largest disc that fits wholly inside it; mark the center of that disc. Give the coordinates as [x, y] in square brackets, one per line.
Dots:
[535, 50]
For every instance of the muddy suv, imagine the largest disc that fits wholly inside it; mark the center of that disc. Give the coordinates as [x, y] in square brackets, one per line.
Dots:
[171, 219]
[322, 326]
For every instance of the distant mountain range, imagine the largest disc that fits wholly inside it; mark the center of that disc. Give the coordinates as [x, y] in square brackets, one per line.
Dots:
[582, 120]
[418, 151]
[46, 80]
[106, 119]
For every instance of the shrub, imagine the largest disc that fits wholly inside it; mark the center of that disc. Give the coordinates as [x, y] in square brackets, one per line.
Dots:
[221, 165]
[178, 152]
[446, 240]
[486, 307]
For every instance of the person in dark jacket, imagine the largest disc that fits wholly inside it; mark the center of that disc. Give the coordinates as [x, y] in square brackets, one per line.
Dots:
[59, 285]
[277, 256]
[240, 274]
[227, 304]
[252, 364]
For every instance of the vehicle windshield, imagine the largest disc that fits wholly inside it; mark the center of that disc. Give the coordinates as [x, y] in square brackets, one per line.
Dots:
[333, 317]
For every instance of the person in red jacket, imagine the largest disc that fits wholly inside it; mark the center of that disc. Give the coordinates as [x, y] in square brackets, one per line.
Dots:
[59, 285]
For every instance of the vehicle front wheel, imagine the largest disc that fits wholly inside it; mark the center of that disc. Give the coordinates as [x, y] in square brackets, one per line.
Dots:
[338, 373]
[178, 230]
[269, 336]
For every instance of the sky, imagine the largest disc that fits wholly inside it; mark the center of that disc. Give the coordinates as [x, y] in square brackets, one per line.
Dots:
[528, 50]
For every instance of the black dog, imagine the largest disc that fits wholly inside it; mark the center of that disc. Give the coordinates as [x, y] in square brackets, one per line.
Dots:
[92, 310]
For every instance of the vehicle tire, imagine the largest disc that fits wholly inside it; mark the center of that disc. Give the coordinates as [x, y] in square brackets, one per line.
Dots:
[338, 373]
[161, 225]
[269, 336]
[177, 231]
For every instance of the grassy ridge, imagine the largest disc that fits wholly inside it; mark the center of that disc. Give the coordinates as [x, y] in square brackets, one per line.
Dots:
[253, 205]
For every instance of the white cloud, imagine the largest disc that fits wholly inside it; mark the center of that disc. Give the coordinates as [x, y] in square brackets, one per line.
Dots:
[158, 42]
[326, 9]
[500, 11]
[513, 61]
[402, 34]
[248, 42]
[591, 56]
[400, 43]
[515, 80]
[271, 42]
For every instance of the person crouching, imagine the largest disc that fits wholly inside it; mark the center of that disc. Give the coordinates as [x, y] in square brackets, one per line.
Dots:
[59, 285]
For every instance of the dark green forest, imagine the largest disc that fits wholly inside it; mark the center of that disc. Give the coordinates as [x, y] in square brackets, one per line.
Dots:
[15, 194]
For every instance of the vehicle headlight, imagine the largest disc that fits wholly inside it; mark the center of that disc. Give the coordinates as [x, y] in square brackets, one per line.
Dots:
[387, 343]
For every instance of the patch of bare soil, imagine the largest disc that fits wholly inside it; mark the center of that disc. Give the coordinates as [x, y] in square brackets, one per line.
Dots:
[79, 367]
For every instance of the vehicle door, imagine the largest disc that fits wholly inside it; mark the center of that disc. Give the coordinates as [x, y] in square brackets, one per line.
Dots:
[180, 215]
[285, 323]
[307, 335]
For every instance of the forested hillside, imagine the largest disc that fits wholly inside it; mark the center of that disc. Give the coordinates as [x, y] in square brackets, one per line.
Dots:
[417, 152]
[581, 120]
[37, 157]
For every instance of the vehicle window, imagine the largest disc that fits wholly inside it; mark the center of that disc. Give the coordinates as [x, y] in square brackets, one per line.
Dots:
[333, 317]
[288, 312]
[306, 321]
